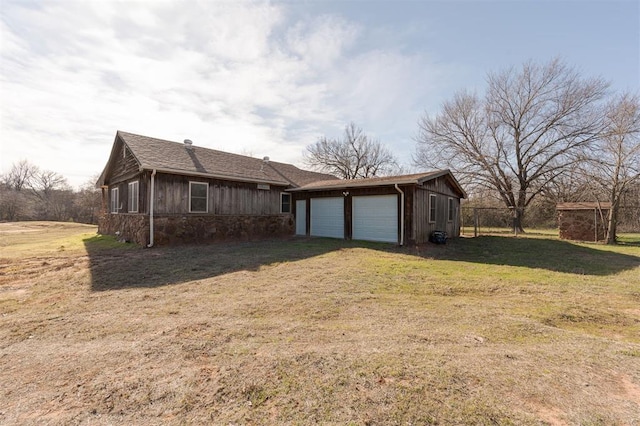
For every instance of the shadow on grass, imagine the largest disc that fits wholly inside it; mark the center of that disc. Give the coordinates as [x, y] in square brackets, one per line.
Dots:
[540, 253]
[118, 266]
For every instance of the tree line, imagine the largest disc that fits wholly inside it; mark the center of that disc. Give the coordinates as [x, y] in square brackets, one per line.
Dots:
[30, 193]
[540, 134]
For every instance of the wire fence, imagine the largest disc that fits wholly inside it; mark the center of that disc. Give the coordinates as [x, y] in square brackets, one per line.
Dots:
[477, 221]
[487, 220]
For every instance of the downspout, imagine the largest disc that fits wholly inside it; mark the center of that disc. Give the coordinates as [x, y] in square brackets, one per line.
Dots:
[401, 214]
[151, 203]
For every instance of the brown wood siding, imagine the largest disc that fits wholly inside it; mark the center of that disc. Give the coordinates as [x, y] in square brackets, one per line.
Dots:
[422, 227]
[124, 167]
[225, 197]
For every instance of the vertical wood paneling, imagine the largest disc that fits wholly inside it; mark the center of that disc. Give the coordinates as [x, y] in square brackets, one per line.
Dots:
[172, 196]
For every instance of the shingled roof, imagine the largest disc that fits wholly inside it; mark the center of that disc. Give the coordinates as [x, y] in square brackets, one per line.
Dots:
[174, 157]
[416, 179]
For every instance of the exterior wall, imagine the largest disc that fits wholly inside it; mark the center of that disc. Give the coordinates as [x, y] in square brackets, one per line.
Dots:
[225, 197]
[180, 229]
[124, 165]
[423, 227]
[128, 227]
[580, 225]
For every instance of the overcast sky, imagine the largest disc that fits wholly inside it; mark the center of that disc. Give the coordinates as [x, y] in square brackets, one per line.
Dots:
[270, 78]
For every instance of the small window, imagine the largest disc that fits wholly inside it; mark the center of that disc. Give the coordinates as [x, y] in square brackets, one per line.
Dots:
[285, 203]
[114, 200]
[133, 197]
[432, 208]
[450, 210]
[198, 197]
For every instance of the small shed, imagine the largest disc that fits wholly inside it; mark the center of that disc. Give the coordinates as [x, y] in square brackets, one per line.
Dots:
[583, 221]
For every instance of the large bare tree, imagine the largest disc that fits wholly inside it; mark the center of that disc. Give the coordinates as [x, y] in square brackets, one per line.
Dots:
[354, 156]
[532, 122]
[614, 162]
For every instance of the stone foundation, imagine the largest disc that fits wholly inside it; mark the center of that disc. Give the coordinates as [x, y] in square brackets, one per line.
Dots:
[180, 229]
[580, 225]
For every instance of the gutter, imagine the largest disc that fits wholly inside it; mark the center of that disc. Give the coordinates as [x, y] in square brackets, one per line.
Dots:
[401, 214]
[151, 203]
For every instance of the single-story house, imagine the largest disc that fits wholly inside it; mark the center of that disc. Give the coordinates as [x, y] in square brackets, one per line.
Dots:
[584, 221]
[161, 192]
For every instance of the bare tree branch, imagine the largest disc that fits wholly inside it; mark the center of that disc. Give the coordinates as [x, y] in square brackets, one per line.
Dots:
[352, 157]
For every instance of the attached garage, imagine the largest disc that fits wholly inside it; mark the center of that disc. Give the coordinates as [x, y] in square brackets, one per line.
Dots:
[375, 218]
[392, 209]
[327, 217]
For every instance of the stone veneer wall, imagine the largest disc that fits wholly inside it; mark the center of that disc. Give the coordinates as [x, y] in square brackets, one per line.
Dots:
[579, 225]
[180, 229]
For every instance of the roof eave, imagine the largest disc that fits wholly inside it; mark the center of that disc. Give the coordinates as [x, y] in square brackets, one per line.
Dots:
[352, 185]
[212, 175]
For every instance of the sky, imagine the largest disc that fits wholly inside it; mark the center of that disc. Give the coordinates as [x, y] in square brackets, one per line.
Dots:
[270, 78]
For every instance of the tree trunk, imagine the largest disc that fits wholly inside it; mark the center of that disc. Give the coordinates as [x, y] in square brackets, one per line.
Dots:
[517, 220]
[612, 222]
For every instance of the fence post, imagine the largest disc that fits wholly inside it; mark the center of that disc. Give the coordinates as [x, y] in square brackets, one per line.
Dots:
[475, 222]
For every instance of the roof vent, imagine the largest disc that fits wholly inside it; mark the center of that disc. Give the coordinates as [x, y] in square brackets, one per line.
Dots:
[188, 143]
[265, 159]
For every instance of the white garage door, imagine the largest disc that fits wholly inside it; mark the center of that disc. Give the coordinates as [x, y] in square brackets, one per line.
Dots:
[327, 217]
[375, 218]
[301, 217]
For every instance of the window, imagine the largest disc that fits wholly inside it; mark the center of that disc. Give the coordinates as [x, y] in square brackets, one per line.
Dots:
[198, 197]
[285, 203]
[432, 208]
[133, 197]
[114, 200]
[450, 210]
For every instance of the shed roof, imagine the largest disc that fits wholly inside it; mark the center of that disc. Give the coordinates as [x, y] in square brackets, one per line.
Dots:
[412, 179]
[583, 206]
[179, 158]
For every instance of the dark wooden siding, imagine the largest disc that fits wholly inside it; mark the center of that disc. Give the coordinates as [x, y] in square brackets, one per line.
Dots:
[124, 166]
[225, 197]
[422, 226]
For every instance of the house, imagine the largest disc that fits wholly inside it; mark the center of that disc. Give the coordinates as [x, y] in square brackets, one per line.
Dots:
[161, 192]
[396, 209]
[583, 221]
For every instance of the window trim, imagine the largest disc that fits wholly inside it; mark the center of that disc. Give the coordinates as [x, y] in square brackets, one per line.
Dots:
[206, 209]
[130, 197]
[115, 200]
[450, 208]
[282, 195]
[433, 207]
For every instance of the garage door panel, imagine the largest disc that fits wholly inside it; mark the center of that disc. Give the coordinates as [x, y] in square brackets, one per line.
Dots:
[301, 217]
[327, 217]
[375, 218]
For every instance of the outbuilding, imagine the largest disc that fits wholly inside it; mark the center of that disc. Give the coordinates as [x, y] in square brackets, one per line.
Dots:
[584, 221]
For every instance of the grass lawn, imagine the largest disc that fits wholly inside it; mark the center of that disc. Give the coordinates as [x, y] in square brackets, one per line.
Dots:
[489, 330]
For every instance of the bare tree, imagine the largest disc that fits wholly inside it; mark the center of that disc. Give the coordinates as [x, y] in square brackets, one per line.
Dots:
[531, 124]
[614, 162]
[20, 176]
[354, 156]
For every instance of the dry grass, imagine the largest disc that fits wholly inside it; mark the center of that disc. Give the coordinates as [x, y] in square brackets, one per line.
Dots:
[491, 330]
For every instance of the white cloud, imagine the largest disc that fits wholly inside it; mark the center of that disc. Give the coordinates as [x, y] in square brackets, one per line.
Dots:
[241, 77]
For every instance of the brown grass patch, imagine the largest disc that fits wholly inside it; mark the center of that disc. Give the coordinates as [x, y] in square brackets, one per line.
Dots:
[312, 331]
